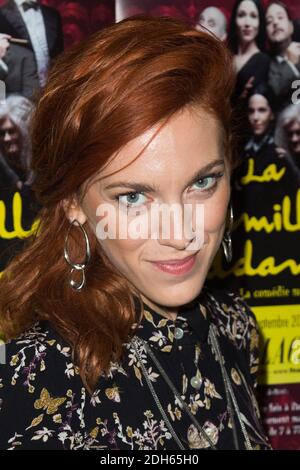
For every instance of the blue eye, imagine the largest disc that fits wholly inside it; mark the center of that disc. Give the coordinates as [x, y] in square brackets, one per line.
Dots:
[209, 182]
[132, 199]
[138, 199]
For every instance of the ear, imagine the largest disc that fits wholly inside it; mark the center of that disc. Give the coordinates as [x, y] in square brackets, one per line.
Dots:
[73, 210]
[291, 28]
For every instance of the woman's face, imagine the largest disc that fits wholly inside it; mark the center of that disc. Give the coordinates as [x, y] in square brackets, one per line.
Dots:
[293, 135]
[260, 114]
[182, 165]
[247, 21]
[10, 139]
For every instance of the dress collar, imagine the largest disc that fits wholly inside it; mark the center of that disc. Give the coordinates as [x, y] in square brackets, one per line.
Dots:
[254, 146]
[158, 331]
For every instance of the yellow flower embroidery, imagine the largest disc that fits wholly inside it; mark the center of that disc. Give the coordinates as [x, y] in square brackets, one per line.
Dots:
[57, 418]
[14, 360]
[113, 394]
[94, 432]
[236, 377]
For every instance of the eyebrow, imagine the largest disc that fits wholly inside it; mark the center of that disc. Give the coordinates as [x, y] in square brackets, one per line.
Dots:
[144, 187]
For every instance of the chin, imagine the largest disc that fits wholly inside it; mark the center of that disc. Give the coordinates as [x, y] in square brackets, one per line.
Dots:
[177, 295]
[279, 40]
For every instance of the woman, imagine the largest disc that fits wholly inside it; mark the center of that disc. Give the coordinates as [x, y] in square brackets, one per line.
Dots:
[287, 137]
[115, 340]
[15, 175]
[260, 184]
[15, 149]
[263, 187]
[246, 39]
[259, 153]
[261, 117]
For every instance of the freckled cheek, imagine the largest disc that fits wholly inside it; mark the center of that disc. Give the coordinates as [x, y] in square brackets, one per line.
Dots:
[214, 219]
[124, 246]
[215, 212]
[124, 254]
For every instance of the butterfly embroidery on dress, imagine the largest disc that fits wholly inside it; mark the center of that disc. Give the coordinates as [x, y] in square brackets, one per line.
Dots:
[45, 402]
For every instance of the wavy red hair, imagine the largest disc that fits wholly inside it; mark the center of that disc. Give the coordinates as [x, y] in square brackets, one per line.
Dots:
[100, 94]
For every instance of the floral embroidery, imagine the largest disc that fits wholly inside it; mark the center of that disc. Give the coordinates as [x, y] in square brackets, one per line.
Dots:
[44, 405]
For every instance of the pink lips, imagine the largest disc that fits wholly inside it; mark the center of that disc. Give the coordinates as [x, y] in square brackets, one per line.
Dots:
[247, 31]
[177, 267]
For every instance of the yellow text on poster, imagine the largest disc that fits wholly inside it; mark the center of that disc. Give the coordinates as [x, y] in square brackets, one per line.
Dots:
[280, 344]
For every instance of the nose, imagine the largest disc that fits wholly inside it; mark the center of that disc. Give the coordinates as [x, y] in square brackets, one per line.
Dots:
[256, 116]
[7, 136]
[176, 243]
[177, 229]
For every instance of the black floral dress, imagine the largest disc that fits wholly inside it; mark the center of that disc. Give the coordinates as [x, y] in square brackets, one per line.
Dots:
[44, 404]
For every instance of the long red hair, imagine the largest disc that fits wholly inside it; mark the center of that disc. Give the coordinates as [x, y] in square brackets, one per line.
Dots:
[100, 94]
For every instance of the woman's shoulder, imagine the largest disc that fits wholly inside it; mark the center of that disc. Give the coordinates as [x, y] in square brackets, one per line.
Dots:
[38, 351]
[236, 321]
[39, 358]
[41, 332]
[230, 304]
[232, 314]
[263, 56]
[260, 58]
[38, 385]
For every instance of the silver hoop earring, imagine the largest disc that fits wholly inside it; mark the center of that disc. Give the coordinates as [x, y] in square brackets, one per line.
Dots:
[227, 242]
[77, 266]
